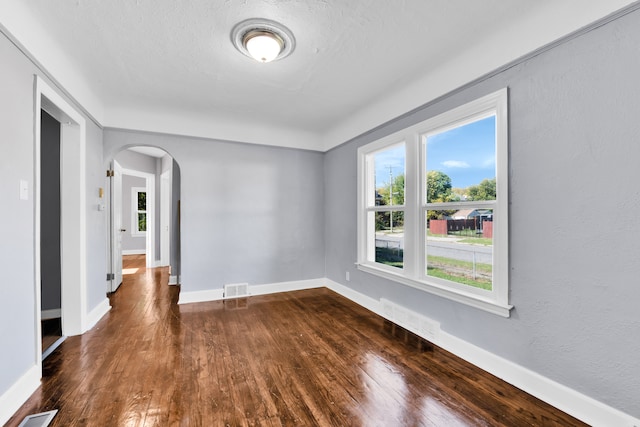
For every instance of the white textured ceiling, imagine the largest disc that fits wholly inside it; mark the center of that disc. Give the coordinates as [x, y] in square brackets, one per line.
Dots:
[169, 65]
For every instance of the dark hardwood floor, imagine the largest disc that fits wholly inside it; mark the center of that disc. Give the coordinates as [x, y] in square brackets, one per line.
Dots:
[305, 358]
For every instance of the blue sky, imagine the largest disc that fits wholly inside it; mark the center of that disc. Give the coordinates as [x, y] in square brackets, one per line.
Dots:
[466, 154]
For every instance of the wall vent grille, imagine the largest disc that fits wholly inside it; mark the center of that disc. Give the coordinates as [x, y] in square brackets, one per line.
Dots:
[42, 419]
[412, 321]
[236, 290]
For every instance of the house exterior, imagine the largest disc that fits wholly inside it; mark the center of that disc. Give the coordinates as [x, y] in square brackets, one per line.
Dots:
[574, 339]
[472, 213]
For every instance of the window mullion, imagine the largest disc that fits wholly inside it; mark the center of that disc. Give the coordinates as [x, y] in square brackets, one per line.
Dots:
[412, 204]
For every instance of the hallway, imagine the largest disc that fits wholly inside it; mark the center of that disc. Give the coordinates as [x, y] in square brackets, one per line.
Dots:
[300, 358]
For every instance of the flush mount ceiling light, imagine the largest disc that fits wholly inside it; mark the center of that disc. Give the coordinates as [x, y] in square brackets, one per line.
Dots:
[262, 39]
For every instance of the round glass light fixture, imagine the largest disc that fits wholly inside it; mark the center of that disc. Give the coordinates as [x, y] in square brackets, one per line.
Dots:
[262, 39]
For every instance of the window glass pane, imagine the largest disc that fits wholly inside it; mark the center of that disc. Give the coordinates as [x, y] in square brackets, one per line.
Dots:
[459, 246]
[389, 238]
[461, 163]
[142, 221]
[388, 168]
[142, 201]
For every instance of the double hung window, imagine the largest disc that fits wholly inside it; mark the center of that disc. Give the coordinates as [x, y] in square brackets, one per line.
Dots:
[432, 205]
[139, 211]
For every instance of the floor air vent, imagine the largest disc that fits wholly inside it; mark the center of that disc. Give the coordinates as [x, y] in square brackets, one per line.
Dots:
[42, 419]
[236, 290]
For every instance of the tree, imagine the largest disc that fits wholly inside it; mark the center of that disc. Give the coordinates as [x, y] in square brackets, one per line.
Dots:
[383, 219]
[438, 187]
[458, 194]
[486, 190]
[398, 192]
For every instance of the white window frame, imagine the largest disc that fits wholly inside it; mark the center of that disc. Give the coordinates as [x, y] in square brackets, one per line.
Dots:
[413, 272]
[134, 211]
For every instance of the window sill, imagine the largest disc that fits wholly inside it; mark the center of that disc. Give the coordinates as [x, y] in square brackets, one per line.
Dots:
[472, 300]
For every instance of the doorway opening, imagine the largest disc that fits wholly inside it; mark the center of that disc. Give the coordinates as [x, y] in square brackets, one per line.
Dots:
[50, 240]
[145, 200]
[72, 218]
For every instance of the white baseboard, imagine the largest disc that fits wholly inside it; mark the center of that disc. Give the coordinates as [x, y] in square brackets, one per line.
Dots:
[574, 403]
[200, 296]
[360, 299]
[134, 251]
[18, 393]
[54, 313]
[173, 280]
[96, 314]
[273, 288]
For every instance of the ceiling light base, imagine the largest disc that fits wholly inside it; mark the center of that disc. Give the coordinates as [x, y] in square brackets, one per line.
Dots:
[245, 30]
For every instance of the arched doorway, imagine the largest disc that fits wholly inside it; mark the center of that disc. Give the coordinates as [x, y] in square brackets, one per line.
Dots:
[144, 187]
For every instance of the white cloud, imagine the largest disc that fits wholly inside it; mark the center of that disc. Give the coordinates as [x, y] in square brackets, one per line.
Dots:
[455, 164]
[489, 163]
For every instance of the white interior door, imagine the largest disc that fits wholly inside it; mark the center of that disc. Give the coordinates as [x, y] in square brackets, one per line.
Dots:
[116, 226]
[165, 218]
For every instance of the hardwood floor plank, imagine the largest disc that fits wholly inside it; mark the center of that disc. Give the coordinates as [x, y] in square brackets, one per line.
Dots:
[307, 358]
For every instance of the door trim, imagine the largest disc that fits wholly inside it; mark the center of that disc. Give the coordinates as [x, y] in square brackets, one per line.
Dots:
[73, 236]
[151, 213]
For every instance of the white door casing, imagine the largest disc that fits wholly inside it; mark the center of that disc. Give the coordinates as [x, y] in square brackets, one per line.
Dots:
[116, 226]
[73, 238]
[151, 221]
[165, 218]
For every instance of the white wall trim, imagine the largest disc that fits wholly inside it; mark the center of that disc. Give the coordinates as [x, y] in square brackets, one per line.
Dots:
[200, 296]
[18, 393]
[572, 402]
[270, 288]
[73, 213]
[53, 313]
[134, 251]
[360, 299]
[173, 280]
[150, 242]
[273, 288]
[97, 313]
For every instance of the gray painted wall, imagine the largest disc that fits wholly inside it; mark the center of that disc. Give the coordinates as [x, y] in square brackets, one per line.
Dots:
[249, 213]
[256, 214]
[130, 242]
[137, 161]
[50, 268]
[574, 200]
[17, 290]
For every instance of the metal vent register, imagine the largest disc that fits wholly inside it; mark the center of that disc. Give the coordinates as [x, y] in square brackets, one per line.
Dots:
[38, 420]
[236, 290]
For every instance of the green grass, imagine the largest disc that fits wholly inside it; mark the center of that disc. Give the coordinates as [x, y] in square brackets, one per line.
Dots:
[458, 271]
[436, 272]
[442, 267]
[392, 257]
[450, 262]
[485, 241]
